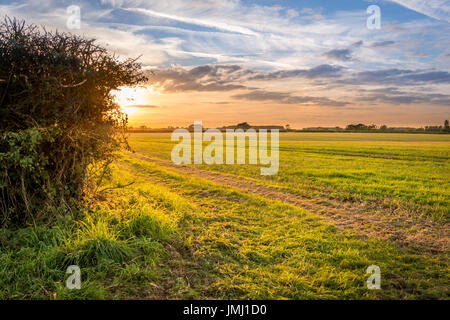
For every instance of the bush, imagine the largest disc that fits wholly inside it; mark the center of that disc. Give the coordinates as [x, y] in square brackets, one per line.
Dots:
[57, 118]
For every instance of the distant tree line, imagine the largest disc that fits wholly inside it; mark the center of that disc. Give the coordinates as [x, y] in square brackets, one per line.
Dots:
[360, 127]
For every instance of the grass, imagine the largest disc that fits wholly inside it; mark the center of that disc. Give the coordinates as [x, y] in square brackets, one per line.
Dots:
[260, 249]
[410, 170]
[173, 235]
[118, 247]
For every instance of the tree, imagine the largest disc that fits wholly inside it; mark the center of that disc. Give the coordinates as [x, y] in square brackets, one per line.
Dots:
[359, 126]
[446, 125]
[243, 125]
[59, 124]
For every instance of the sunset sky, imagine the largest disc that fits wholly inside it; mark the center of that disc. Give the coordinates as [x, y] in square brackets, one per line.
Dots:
[306, 63]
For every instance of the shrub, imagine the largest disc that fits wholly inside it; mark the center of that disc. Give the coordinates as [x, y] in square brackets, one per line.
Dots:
[57, 118]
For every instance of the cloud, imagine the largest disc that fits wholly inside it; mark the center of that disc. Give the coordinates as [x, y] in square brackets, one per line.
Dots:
[399, 77]
[437, 9]
[310, 13]
[437, 77]
[219, 102]
[224, 32]
[201, 22]
[322, 71]
[251, 52]
[339, 54]
[287, 98]
[229, 77]
[201, 78]
[417, 54]
[382, 44]
[393, 95]
[292, 13]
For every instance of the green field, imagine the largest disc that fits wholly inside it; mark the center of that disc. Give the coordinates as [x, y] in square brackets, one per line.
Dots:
[411, 169]
[339, 203]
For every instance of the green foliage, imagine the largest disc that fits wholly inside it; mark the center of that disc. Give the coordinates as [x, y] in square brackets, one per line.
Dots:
[57, 118]
[111, 252]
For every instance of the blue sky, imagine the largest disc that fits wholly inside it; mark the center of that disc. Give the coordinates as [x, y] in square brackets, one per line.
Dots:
[301, 62]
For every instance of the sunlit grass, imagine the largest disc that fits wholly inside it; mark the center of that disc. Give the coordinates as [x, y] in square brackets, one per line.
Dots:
[172, 235]
[413, 169]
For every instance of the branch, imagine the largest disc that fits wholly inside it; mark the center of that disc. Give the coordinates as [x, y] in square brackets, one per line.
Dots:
[74, 85]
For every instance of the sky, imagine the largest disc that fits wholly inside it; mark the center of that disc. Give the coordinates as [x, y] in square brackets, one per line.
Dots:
[297, 62]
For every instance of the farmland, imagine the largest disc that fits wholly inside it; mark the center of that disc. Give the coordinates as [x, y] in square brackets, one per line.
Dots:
[339, 203]
[407, 169]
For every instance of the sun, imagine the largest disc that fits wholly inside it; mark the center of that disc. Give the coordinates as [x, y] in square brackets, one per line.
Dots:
[129, 99]
[130, 111]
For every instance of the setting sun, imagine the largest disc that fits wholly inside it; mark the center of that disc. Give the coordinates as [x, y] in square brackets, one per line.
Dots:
[130, 110]
[130, 99]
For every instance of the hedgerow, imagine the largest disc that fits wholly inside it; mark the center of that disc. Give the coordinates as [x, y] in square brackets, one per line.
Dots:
[59, 123]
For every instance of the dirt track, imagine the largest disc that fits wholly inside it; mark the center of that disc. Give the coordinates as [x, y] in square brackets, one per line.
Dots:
[366, 219]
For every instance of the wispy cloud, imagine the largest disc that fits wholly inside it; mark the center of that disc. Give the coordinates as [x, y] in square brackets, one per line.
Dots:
[382, 44]
[339, 54]
[400, 77]
[288, 98]
[322, 71]
[201, 78]
[437, 9]
[393, 95]
[194, 21]
[231, 51]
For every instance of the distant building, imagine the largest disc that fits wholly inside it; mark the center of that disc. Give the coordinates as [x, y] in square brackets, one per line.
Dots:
[247, 126]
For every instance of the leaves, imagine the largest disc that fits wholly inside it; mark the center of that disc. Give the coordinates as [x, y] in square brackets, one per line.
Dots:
[57, 116]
